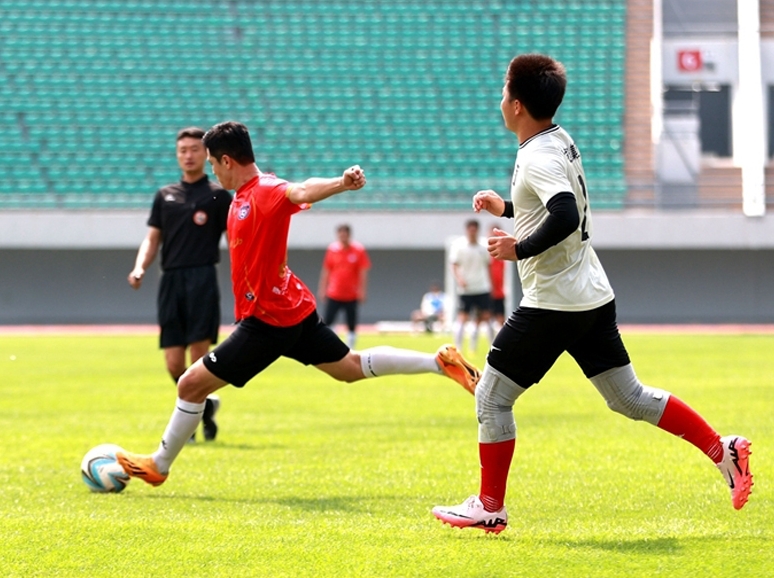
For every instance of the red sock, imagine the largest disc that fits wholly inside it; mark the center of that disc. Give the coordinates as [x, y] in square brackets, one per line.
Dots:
[679, 419]
[495, 463]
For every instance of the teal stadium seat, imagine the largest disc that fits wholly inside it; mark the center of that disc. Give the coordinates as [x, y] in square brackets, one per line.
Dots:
[92, 92]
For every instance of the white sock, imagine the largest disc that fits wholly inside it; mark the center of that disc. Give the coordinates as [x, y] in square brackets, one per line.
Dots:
[385, 360]
[351, 339]
[474, 338]
[459, 334]
[490, 331]
[182, 425]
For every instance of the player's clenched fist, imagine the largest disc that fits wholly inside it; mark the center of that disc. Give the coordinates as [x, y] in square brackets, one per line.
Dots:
[502, 246]
[354, 178]
[489, 201]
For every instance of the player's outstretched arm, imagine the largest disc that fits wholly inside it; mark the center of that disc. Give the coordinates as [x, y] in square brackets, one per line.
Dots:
[489, 201]
[315, 189]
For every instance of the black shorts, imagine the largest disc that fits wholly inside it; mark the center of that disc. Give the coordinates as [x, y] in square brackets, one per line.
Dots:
[497, 306]
[533, 339]
[188, 306]
[479, 303]
[350, 312]
[255, 345]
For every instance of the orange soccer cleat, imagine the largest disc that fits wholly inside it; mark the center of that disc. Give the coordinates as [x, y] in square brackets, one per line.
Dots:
[456, 367]
[140, 466]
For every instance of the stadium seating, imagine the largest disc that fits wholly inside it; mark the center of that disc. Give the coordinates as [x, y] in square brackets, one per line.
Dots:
[92, 93]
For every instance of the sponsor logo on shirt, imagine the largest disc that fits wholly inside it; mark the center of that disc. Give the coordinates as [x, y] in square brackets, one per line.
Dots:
[249, 296]
[572, 153]
[200, 217]
[243, 211]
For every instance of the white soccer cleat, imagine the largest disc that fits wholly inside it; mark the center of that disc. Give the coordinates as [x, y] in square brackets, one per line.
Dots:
[471, 514]
[735, 468]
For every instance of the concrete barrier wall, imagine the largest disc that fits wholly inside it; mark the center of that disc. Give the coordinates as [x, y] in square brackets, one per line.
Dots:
[44, 286]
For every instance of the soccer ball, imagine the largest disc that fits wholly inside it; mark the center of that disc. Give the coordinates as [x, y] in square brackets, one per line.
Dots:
[100, 470]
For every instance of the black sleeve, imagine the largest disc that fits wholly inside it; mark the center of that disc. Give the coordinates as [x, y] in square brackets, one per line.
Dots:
[154, 220]
[562, 220]
[508, 212]
[225, 204]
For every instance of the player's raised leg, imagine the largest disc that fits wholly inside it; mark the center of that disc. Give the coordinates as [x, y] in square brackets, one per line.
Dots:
[730, 454]
[626, 395]
[384, 360]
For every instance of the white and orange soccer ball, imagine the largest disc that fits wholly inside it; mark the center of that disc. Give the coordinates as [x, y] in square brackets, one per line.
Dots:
[100, 470]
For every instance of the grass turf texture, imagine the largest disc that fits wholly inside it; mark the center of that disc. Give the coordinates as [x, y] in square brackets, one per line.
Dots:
[310, 477]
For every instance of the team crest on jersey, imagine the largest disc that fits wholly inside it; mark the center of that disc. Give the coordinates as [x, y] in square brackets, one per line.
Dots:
[200, 217]
[249, 296]
[243, 211]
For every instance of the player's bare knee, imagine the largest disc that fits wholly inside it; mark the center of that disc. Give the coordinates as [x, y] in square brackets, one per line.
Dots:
[176, 370]
[187, 388]
[625, 394]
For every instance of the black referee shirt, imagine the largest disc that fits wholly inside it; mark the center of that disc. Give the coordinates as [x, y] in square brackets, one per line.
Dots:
[192, 217]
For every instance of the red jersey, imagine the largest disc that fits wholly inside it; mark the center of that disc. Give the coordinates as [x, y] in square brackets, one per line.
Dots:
[344, 265]
[258, 225]
[497, 275]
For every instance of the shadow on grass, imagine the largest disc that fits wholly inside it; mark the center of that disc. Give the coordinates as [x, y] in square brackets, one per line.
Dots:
[657, 546]
[325, 504]
[218, 445]
[342, 504]
[198, 498]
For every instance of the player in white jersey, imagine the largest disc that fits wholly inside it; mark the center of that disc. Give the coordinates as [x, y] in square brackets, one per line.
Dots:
[568, 303]
[470, 265]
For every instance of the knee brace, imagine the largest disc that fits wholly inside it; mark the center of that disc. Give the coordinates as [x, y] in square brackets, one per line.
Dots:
[624, 394]
[495, 396]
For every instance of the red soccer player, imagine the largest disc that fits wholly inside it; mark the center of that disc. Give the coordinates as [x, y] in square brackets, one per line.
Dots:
[276, 312]
[344, 279]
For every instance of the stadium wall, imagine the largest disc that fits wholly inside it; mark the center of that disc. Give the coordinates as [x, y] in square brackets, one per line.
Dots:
[680, 267]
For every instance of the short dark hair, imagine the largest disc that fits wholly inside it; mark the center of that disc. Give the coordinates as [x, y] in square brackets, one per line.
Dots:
[190, 132]
[471, 223]
[232, 139]
[344, 227]
[538, 82]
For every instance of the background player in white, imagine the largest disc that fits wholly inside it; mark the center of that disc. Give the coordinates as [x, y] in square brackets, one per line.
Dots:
[470, 265]
[568, 304]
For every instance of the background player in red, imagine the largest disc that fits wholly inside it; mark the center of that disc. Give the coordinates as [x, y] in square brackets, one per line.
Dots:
[497, 300]
[344, 279]
[276, 312]
[187, 221]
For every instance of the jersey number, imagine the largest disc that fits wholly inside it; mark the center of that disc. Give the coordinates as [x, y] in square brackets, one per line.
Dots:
[584, 232]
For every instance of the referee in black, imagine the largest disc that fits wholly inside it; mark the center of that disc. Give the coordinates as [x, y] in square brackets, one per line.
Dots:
[187, 221]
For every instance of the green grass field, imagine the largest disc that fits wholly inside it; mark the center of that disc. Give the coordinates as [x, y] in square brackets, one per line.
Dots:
[310, 477]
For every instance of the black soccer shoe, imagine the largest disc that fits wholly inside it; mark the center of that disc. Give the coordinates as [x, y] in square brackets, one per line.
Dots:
[210, 426]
